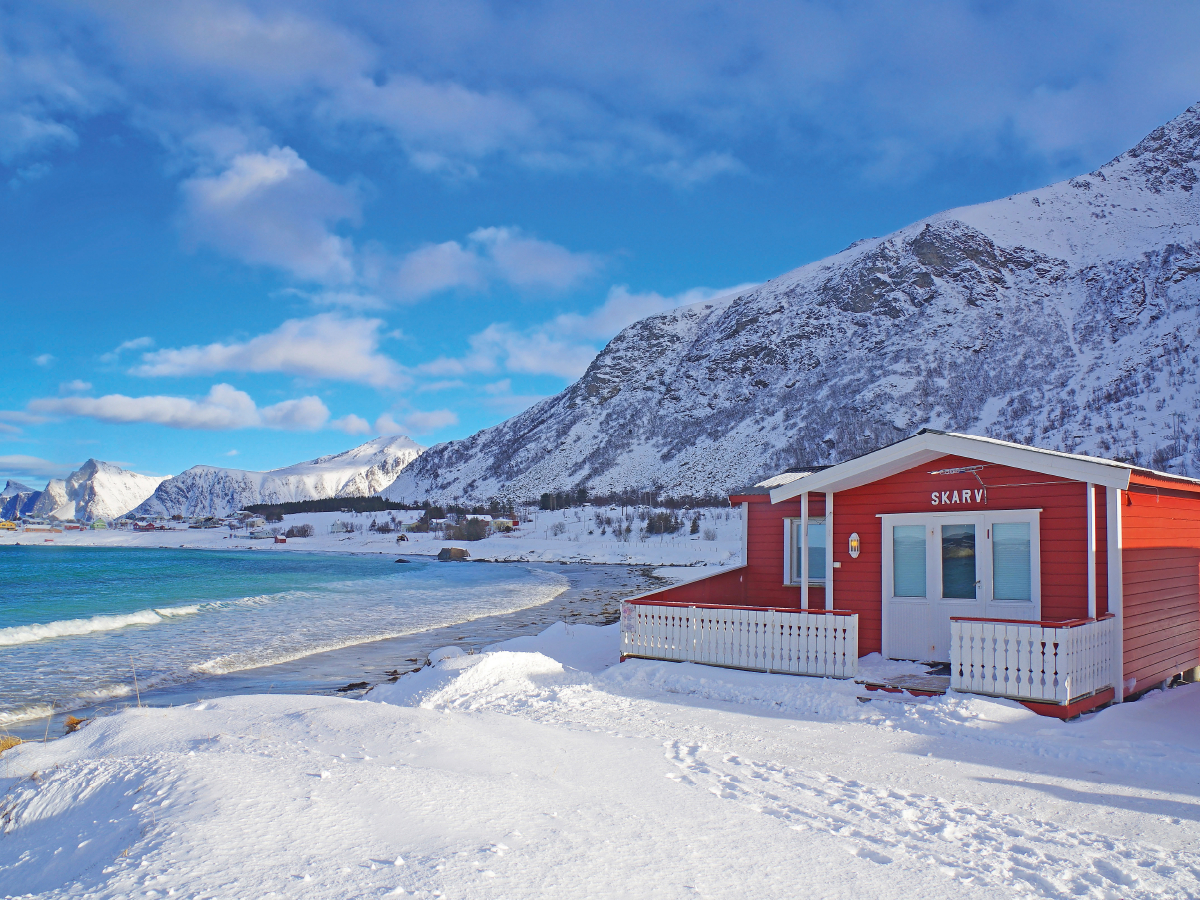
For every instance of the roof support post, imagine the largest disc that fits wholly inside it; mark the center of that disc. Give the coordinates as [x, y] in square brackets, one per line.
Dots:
[1115, 590]
[1091, 550]
[803, 563]
[828, 550]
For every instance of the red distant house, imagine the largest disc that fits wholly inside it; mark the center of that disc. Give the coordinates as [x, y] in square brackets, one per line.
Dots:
[1059, 580]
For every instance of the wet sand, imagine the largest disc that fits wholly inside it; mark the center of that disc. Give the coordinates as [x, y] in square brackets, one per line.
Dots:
[592, 598]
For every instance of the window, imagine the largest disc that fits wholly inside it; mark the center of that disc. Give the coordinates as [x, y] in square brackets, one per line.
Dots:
[958, 562]
[1012, 569]
[816, 549]
[908, 561]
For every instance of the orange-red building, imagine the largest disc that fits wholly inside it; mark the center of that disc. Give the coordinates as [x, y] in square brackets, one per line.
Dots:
[1011, 563]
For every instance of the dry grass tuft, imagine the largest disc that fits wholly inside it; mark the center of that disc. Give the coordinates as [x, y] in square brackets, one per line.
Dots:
[7, 742]
[73, 724]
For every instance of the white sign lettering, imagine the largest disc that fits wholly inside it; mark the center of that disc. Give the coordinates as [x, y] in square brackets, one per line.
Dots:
[950, 498]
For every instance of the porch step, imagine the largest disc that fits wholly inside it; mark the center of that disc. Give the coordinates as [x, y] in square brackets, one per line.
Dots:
[919, 685]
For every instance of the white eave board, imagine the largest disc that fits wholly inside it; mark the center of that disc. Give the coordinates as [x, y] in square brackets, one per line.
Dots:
[924, 448]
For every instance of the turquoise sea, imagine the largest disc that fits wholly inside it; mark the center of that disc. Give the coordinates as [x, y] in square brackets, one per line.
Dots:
[77, 624]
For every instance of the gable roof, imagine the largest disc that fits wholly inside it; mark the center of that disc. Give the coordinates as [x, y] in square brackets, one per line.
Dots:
[775, 481]
[928, 445]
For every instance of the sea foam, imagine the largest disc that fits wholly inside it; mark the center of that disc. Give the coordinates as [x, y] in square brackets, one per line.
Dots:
[27, 634]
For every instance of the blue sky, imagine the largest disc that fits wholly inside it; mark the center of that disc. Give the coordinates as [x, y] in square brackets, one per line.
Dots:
[251, 233]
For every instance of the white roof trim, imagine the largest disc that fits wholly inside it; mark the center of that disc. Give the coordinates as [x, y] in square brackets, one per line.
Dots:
[931, 445]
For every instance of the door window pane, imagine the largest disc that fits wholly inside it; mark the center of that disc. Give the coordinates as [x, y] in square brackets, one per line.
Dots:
[908, 561]
[958, 561]
[1012, 569]
[816, 549]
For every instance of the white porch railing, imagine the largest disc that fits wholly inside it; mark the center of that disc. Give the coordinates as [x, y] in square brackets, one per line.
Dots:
[1055, 662]
[793, 642]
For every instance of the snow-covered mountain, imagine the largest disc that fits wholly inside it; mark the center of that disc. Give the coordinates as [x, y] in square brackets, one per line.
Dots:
[96, 490]
[12, 488]
[212, 491]
[99, 490]
[17, 499]
[1064, 318]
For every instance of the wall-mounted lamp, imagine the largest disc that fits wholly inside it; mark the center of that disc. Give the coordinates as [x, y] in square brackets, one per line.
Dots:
[855, 546]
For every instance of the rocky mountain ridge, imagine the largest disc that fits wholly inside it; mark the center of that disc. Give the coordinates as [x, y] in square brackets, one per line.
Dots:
[213, 491]
[96, 490]
[1063, 317]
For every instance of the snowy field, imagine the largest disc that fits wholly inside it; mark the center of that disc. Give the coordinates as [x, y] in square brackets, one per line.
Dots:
[569, 535]
[544, 769]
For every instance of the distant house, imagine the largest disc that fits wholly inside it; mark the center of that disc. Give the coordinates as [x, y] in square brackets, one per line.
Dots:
[280, 539]
[7, 526]
[1062, 581]
[99, 525]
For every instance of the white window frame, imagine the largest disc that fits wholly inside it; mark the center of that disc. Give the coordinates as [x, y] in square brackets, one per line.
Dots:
[933, 569]
[791, 555]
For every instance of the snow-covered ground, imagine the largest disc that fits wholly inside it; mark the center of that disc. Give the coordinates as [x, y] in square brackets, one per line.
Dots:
[544, 769]
[579, 538]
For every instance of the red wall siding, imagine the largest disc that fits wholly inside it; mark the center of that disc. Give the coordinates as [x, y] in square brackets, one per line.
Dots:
[857, 585]
[723, 588]
[1161, 562]
[765, 550]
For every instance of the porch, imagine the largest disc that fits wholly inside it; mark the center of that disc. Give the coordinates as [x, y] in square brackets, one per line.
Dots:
[1057, 668]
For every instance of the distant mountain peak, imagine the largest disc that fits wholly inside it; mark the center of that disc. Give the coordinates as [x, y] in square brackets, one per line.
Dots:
[361, 471]
[12, 488]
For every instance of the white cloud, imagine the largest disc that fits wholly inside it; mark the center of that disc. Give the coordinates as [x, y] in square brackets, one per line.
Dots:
[436, 267]
[141, 343]
[527, 262]
[445, 385]
[74, 387]
[231, 453]
[416, 422]
[27, 174]
[566, 344]
[496, 254]
[272, 209]
[11, 419]
[499, 396]
[21, 417]
[622, 308]
[323, 346]
[351, 424]
[304, 414]
[44, 91]
[420, 422]
[44, 360]
[19, 466]
[387, 425]
[222, 409]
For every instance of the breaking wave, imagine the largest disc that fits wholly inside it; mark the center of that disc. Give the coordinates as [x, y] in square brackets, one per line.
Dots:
[28, 634]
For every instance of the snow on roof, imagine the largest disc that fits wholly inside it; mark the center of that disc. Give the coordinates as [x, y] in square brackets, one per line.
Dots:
[775, 481]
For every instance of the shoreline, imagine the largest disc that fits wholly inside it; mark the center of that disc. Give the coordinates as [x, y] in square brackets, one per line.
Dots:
[592, 597]
[561, 536]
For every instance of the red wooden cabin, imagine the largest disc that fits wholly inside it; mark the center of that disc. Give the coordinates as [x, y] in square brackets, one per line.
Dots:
[1060, 580]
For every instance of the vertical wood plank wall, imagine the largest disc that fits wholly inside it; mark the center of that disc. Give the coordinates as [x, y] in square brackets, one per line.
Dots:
[765, 552]
[1063, 528]
[1161, 583]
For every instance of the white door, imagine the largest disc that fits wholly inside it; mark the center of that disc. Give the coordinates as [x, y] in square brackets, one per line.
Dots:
[938, 566]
